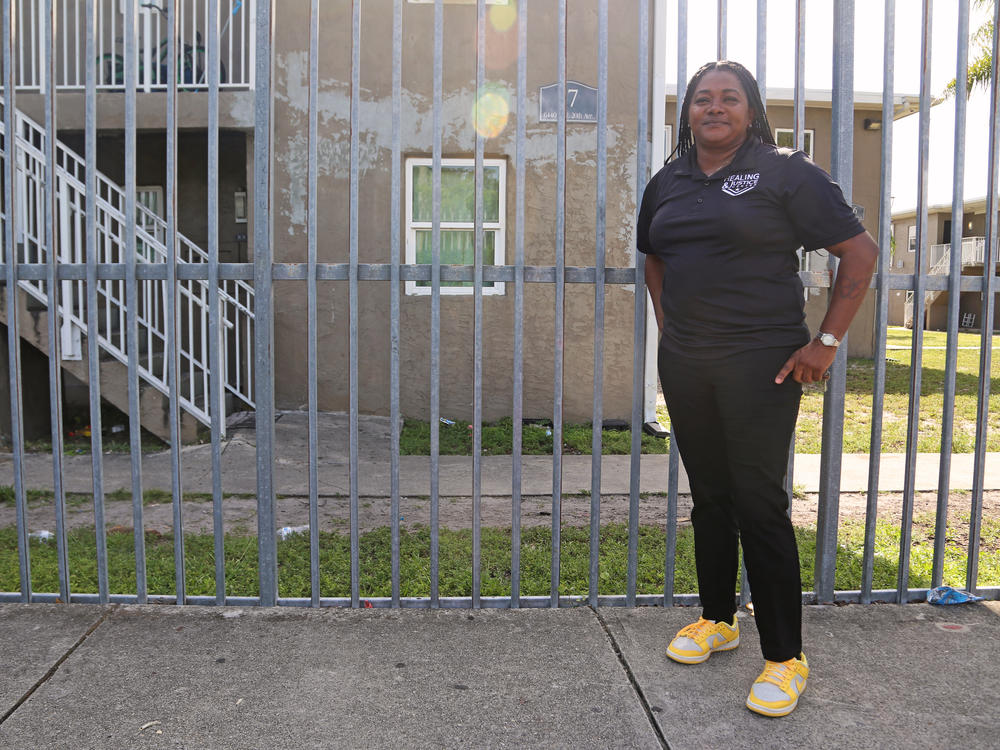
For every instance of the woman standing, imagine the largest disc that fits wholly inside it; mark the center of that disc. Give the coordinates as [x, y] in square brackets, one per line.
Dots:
[720, 224]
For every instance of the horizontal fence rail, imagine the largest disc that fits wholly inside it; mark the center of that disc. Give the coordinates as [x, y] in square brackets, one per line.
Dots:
[196, 328]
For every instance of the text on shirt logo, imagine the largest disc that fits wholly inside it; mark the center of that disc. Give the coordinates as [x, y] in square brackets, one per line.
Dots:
[737, 184]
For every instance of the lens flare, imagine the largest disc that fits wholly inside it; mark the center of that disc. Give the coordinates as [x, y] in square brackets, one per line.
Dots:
[491, 111]
[502, 17]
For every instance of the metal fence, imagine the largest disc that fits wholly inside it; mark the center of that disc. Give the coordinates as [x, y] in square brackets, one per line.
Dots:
[264, 271]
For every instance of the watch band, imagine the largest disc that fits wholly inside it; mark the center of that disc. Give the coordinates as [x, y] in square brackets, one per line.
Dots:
[828, 339]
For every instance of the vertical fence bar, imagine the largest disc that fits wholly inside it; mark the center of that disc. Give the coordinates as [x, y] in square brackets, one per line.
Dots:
[218, 349]
[659, 150]
[722, 29]
[989, 291]
[518, 386]
[263, 252]
[353, 289]
[639, 326]
[131, 66]
[477, 292]
[311, 294]
[919, 284]
[64, 16]
[12, 211]
[54, 303]
[596, 446]
[762, 88]
[673, 460]
[436, 295]
[833, 403]
[954, 292]
[93, 353]
[394, 416]
[37, 22]
[559, 343]
[682, 51]
[761, 66]
[230, 27]
[670, 558]
[799, 97]
[20, 46]
[171, 348]
[882, 303]
[101, 30]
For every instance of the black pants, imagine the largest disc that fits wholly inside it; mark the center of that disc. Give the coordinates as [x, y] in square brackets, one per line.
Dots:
[733, 427]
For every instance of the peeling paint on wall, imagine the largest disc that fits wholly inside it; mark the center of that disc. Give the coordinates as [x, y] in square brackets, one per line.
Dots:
[375, 138]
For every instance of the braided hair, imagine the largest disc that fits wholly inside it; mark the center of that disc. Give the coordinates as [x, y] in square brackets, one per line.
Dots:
[759, 127]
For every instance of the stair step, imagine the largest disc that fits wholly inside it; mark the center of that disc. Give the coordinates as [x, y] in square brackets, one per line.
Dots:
[151, 349]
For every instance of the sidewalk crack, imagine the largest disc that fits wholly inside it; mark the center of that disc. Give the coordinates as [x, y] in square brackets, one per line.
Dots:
[59, 662]
[632, 680]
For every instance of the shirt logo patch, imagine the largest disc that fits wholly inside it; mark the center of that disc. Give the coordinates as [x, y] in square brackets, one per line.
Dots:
[737, 184]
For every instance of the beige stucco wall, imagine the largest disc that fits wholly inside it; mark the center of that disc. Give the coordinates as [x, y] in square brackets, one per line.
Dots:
[236, 109]
[290, 218]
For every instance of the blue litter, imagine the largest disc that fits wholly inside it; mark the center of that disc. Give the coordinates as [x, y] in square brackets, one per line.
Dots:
[949, 595]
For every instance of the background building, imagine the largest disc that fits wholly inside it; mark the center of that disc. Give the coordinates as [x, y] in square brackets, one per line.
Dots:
[940, 195]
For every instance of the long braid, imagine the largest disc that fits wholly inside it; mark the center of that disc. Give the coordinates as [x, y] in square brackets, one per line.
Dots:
[759, 127]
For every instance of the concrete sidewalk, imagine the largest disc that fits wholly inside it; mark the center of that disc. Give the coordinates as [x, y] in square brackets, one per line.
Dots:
[291, 467]
[912, 676]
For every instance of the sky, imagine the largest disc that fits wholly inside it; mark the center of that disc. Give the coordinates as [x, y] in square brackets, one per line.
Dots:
[869, 27]
[869, 47]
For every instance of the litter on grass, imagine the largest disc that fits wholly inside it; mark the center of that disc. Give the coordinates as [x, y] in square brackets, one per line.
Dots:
[286, 531]
[949, 595]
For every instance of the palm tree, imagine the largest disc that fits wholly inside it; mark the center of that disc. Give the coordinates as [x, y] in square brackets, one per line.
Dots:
[981, 64]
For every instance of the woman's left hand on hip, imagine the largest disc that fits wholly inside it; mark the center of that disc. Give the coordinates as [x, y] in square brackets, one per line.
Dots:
[810, 364]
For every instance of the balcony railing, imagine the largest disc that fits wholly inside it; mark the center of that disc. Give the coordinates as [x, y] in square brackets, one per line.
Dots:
[973, 254]
[235, 26]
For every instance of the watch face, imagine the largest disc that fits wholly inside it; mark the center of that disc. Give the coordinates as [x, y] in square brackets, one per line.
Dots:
[828, 339]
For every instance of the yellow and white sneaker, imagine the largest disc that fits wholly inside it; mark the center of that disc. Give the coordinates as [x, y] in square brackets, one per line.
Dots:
[694, 643]
[776, 692]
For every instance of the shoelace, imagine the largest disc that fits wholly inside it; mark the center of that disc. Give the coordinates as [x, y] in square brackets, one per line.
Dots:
[778, 673]
[697, 631]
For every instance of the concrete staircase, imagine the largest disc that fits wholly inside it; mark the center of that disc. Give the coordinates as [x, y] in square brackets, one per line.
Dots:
[193, 301]
[154, 412]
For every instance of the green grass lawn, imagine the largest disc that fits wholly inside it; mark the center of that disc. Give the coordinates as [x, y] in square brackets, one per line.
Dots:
[498, 437]
[536, 439]
[860, 385]
[455, 578]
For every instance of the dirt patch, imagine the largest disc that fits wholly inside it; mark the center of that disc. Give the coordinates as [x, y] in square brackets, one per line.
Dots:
[240, 514]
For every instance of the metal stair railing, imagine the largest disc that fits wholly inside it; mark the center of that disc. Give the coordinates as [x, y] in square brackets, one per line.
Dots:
[973, 253]
[236, 298]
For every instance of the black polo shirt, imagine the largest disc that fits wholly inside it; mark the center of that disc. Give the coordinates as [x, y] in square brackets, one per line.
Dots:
[727, 242]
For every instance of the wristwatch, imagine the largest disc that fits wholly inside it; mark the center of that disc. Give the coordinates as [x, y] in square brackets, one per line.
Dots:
[828, 339]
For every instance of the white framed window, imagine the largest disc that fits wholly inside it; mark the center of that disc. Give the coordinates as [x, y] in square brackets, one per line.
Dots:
[911, 239]
[458, 213]
[785, 137]
[240, 207]
[668, 140]
[151, 196]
